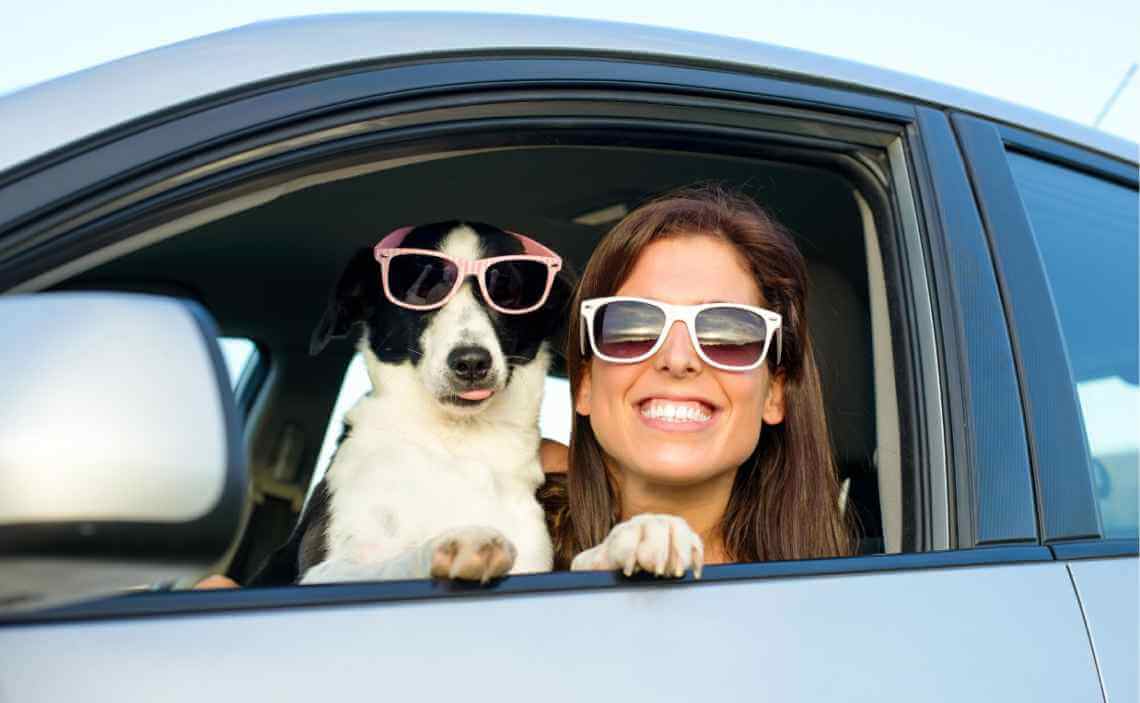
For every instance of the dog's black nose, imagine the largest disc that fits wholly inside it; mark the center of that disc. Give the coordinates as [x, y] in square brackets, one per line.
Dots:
[470, 363]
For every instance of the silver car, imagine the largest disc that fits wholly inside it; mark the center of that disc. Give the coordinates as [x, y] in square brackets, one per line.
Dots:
[974, 273]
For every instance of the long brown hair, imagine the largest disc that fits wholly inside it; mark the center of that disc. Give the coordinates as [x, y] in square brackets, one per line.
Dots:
[784, 502]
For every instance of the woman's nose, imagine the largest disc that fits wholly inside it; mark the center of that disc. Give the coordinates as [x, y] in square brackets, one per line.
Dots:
[677, 355]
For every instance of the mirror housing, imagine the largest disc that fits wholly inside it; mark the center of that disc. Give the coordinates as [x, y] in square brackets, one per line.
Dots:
[121, 459]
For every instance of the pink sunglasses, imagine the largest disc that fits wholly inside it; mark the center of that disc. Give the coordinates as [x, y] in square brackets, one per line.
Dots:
[423, 279]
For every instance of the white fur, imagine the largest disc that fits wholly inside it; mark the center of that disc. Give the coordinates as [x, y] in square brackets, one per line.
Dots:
[413, 468]
[663, 545]
[463, 321]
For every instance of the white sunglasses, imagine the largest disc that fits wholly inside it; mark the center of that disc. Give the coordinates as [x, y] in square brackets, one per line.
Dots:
[727, 336]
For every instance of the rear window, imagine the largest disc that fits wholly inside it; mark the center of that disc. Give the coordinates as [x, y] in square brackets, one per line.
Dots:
[239, 354]
[1086, 230]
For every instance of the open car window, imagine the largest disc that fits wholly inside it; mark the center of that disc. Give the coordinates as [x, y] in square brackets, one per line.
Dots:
[570, 215]
[836, 213]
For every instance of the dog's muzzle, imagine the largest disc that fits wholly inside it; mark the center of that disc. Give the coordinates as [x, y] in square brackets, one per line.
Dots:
[471, 376]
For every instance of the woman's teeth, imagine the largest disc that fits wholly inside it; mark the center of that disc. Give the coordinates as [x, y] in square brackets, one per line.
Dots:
[675, 412]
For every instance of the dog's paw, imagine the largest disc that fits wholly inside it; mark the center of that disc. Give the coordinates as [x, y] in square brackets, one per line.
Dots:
[663, 545]
[472, 554]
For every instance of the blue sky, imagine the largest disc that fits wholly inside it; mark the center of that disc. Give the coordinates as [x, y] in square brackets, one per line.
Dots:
[1059, 57]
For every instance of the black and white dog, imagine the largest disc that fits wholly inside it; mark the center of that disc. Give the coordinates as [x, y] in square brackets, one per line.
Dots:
[437, 469]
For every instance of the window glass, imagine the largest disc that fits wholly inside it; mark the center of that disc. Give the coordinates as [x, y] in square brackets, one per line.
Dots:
[1086, 229]
[238, 353]
[553, 421]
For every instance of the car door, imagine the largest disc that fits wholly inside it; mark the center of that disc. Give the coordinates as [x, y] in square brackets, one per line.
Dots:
[1063, 223]
[969, 603]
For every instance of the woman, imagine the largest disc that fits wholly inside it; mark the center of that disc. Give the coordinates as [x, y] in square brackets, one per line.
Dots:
[721, 427]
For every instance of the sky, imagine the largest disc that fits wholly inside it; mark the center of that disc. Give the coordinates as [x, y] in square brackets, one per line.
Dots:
[1063, 58]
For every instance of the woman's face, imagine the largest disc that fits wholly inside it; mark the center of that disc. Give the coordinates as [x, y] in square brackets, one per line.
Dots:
[619, 398]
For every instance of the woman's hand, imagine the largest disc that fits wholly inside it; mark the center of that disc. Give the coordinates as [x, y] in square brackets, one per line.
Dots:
[663, 545]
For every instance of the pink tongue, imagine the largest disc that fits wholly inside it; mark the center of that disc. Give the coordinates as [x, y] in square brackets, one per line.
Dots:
[477, 395]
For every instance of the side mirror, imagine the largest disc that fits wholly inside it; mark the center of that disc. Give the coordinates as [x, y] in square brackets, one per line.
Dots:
[121, 460]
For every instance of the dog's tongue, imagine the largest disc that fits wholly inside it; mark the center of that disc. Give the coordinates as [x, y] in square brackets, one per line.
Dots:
[477, 395]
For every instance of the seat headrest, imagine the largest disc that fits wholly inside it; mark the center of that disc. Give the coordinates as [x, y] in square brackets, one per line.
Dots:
[841, 329]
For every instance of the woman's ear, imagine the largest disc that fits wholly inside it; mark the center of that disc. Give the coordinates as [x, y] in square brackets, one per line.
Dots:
[774, 402]
[582, 399]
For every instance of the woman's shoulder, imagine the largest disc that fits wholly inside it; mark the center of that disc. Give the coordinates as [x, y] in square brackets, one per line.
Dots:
[554, 456]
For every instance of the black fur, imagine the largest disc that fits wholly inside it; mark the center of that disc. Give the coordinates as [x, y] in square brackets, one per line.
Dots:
[395, 332]
[357, 303]
[286, 564]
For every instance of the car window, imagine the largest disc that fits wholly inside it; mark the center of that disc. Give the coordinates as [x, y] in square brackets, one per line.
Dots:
[291, 421]
[239, 354]
[553, 421]
[1086, 229]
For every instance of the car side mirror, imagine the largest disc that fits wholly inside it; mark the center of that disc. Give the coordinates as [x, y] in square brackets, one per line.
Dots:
[121, 459]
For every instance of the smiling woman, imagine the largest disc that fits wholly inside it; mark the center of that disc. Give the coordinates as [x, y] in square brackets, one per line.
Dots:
[683, 409]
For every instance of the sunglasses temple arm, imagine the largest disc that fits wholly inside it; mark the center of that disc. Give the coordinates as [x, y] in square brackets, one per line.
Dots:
[779, 345]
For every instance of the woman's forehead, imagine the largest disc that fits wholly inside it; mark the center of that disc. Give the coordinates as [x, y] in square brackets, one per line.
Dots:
[692, 269]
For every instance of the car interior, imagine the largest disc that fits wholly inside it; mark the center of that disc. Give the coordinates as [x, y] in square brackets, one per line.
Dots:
[264, 269]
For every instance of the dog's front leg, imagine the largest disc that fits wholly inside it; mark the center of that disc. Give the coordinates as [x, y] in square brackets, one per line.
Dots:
[469, 553]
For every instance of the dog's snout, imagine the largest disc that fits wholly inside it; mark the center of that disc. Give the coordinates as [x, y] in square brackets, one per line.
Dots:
[469, 363]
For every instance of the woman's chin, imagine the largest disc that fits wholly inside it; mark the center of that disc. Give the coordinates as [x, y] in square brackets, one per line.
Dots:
[678, 468]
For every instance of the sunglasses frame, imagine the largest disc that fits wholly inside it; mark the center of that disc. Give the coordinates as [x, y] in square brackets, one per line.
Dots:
[686, 314]
[388, 248]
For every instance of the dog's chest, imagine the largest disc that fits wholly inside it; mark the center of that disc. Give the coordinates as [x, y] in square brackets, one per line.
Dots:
[390, 495]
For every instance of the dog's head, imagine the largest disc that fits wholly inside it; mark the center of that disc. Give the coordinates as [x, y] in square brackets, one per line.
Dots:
[464, 353]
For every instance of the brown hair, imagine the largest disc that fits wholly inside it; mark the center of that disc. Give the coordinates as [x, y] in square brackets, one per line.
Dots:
[784, 502]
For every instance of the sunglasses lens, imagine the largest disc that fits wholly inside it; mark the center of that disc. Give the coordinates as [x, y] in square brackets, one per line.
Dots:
[731, 336]
[517, 284]
[420, 279]
[627, 329]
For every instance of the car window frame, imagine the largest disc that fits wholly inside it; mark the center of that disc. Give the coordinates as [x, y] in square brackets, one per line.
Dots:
[991, 483]
[80, 220]
[1067, 513]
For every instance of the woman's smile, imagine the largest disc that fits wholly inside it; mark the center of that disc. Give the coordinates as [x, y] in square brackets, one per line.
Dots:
[676, 414]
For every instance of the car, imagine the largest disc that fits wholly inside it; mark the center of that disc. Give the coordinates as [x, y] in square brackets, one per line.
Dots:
[974, 301]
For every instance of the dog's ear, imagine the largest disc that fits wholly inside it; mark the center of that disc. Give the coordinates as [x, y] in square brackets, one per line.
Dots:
[351, 301]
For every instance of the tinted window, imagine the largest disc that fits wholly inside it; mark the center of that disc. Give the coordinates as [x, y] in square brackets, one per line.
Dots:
[1086, 229]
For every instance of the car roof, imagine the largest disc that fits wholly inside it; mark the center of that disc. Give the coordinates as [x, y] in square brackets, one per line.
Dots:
[45, 116]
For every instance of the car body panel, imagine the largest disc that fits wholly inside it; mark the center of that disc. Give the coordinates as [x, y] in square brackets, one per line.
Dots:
[1108, 592]
[161, 79]
[1009, 633]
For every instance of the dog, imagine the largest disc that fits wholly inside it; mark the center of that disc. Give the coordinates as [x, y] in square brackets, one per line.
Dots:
[436, 472]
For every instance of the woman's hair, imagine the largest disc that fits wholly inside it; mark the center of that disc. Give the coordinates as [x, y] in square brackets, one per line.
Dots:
[785, 498]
